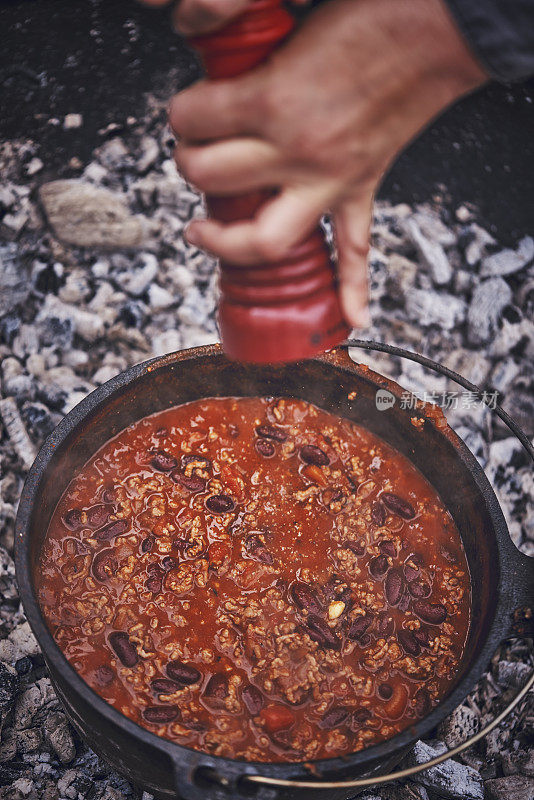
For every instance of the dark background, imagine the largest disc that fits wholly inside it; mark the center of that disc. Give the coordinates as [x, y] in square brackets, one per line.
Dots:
[98, 57]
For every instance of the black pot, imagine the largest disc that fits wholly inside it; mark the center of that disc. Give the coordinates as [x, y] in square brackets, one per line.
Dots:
[501, 575]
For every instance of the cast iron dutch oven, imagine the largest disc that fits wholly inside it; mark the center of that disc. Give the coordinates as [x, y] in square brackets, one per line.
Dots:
[501, 575]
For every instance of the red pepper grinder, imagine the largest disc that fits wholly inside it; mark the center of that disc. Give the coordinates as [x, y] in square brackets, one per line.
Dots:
[289, 309]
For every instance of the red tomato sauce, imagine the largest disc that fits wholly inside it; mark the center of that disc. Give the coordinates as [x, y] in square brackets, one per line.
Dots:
[258, 579]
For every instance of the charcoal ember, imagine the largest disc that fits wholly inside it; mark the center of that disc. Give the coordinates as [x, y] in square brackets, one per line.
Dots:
[511, 787]
[449, 779]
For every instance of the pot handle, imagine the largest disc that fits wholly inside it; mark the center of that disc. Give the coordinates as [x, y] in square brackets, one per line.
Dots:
[199, 778]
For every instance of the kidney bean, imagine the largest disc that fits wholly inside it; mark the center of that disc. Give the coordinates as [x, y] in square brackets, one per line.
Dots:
[184, 674]
[396, 505]
[265, 448]
[147, 544]
[108, 495]
[334, 718]
[169, 563]
[422, 702]
[153, 584]
[360, 625]
[256, 549]
[194, 724]
[97, 515]
[189, 458]
[419, 588]
[305, 597]
[319, 631]
[311, 454]
[154, 568]
[378, 566]
[163, 461]
[220, 504]
[365, 640]
[422, 637]
[104, 564]
[159, 715]
[411, 572]
[433, 613]
[233, 430]
[117, 527]
[359, 718]
[385, 625]
[408, 642]
[378, 513]
[387, 547]
[356, 547]
[394, 586]
[193, 483]
[404, 603]
[104, 675]
[277, 717]
[73, 519]
[124, 648]
[217, 687]
[253, 699]
[163, 686]
[395, 706]
[270, 432]
[385, 691]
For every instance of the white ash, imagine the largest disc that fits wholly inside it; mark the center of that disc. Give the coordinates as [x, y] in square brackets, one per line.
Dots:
[95, 276]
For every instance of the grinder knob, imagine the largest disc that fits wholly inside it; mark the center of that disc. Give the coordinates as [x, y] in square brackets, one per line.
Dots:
[289, 309]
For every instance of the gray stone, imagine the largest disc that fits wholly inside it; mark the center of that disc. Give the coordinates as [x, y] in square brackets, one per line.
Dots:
[503, 373]
[166, 342]
[17, 432]
[401, 274]
[84, 215]
[148, 153]
[431, 252]
[480, 240]
[511, 787]
[462, 723]
[487, 303]
[507, 262]
[469, 364]
[449, 779]
[114, 154]
[58, 736]
[513, 674]
[160, 298]
[433, 227]
[429, 308]
[14, 284]
[20, 642]
[136, 281]
[9, 684]
[509, 336]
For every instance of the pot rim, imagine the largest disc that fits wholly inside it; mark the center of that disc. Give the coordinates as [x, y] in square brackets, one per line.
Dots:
[499, 627]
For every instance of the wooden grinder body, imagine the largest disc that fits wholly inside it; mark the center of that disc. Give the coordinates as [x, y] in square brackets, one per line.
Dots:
[281, 311]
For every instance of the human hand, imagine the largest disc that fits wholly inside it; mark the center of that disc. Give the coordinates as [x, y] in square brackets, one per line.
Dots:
[318, 124]
[194, 17]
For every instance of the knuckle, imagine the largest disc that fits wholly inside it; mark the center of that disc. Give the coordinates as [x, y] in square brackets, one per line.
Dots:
[269, 247]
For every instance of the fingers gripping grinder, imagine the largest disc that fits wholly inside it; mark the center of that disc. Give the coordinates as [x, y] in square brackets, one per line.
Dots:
[289, 309]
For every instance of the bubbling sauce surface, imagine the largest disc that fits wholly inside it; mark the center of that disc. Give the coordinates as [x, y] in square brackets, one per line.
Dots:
[258, 579]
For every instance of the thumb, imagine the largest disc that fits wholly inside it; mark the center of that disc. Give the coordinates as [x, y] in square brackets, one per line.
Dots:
[195, 17]
[352, 222]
